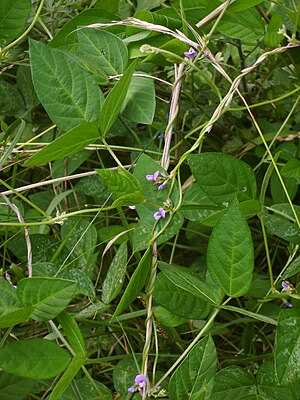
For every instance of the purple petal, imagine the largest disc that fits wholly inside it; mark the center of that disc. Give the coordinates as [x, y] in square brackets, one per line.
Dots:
[155, 175]
[162, 212]
[161, 187]
[131, 389]
[288, 304]
[150, 177]
[157, 216]
[284, 285]
[191, 53]
[141, 380]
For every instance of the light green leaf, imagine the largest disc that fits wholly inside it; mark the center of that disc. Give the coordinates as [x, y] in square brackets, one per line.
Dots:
[122, 183]
[72, 332]
[288, 347]
[292, 269]
[193, 378]
[240, 5]
[139, 104]
[34, 358]
[13, 18]
[230, 255]
[178, 301]
[15, 388]
[102, 53]
[223, 178]
[15, 317]
[68, 93]
[189, 281]
[87, 391]
[114, 279]
[8, 298]
[67, 144]
[114, 101]
[233, 383]
[136, 283]
[67, 377]
[291, 168]
[48, 296]
[167, 318]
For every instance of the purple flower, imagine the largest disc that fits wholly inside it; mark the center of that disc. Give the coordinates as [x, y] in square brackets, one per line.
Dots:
[159, 214]
[191, 53]
[161, 187]
[152, 177]
[284, 285]
[287, 304]
[140, 384]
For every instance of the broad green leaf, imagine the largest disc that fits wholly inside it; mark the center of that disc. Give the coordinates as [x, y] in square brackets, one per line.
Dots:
[281, 222]
[230, 256]
[11, 101]
[87, 391]
[193, 378]
[247, 26]
[136, 283]
[292, 269]
[15, 317]
[272, 38]
[68, 93]
[8, 298]
[122, 183]
[124, 374]
[139, 105]
[70, 373]
[25, 86]
[223, 178]
[48, 296]
[195, 10]
[114, 101]
[13, 18]
[115, 277]
[278, 195]
[69, 143]
[102, 53]
[189, 281]
[72, 332]
[240, 5]
[15, 388]
[167, 318]
[268, 385]
[87, 17]
[233, 383]
[34, 358]
[291, 168]
[288, 347]
[178, 301]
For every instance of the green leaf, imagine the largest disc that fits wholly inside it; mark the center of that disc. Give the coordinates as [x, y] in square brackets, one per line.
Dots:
[136, 283]
[122, 183]
[139, 105]
[87, 391]
[11, 101]
[102, 53]
[233, 383]
[15, 317]
[272, 38]
[72, 332]
[13, 17]
[115, 277]
[193, 378]
[72, 370]
[230, 255]
[240, 5]
[292, 269]
[167, 318]
[222, 177]
[69, 143]
[288, 347]
[178, 301]
[34, 359]
[48, 296]
[15, 388]
[291, 168]
[68, 93]
[189, 281]
[114, 101]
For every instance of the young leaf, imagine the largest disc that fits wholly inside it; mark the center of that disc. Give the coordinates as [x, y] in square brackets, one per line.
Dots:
[222, 177]
[68, 93]
[230, 256]
[34, 358]
[48, 296]
[114, 280]
[136, 283]
[114, 101]
[193, 378]
[13, 18]
[67, 144]
[288, 347]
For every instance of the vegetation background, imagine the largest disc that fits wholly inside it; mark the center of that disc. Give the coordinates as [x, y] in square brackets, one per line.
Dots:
[149, 216]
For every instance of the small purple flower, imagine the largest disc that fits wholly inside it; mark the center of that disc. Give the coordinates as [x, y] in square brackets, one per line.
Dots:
[191, 53]
[140, 384]
[287, 304]
[161, 187]
[161, 136]
[206, 53]
[159, 214]
[152, 177]
[284, 285]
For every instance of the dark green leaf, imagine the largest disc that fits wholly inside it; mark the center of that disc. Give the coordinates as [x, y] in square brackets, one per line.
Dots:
[72, 332]
[14, 388]
[13, 18]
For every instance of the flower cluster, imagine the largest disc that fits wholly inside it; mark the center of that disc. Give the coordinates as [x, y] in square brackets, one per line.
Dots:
[140, 384]
[158, 179]
[287, 287]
